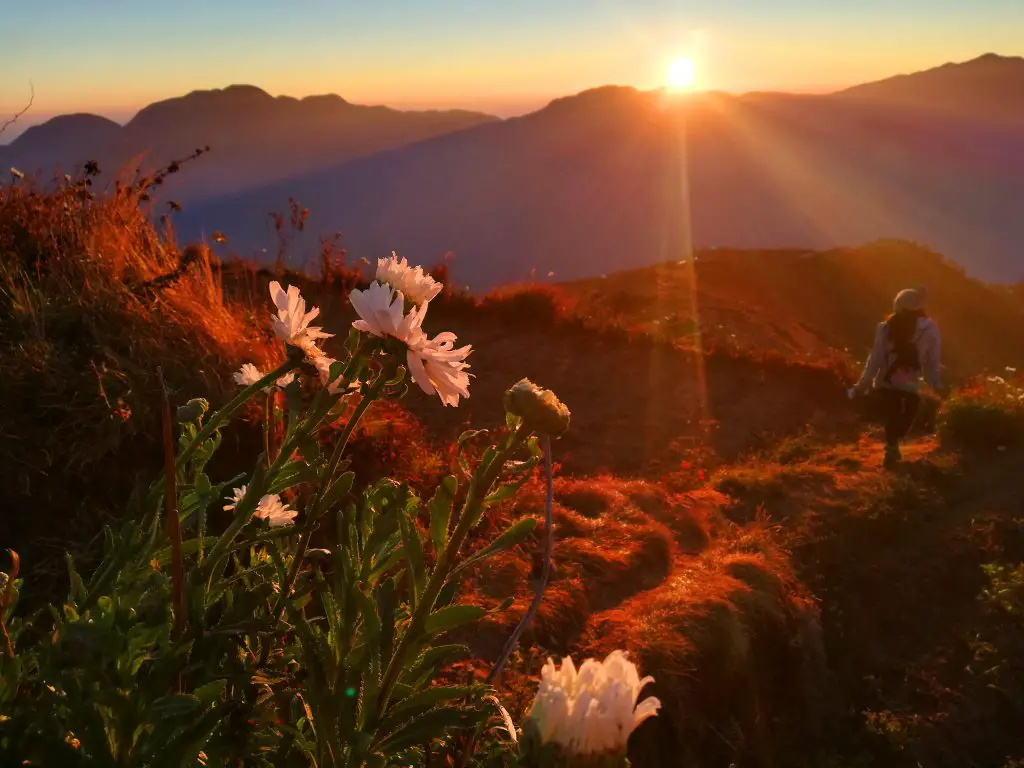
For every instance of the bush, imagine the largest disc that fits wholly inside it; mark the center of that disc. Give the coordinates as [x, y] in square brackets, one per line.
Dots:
[987, 415]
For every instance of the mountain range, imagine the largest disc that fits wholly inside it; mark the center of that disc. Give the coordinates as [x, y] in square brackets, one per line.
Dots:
[608, 179]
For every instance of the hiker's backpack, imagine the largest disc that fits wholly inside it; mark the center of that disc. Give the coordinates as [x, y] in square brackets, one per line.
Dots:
[906, 356]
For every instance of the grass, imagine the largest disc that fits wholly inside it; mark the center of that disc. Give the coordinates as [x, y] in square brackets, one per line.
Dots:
[95, 302]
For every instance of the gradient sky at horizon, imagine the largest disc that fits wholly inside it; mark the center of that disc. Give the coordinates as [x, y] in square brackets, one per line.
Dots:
[115, 56]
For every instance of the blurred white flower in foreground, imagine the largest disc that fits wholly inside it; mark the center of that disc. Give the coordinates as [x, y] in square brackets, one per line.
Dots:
[274, 511]
[292, 322]
[415, 284]
[249, 374]
[436, 365]
[591, 711]
[269, 508]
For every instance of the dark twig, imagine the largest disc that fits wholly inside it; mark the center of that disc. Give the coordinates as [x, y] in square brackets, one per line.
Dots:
[171, 509]
[17, 116]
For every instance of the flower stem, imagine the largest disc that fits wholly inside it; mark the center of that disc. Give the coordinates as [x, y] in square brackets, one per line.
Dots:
[531, 612]
[478, 489]
[332, 468]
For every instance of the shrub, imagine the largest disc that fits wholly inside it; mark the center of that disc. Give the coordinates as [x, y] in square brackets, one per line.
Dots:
[986, 415]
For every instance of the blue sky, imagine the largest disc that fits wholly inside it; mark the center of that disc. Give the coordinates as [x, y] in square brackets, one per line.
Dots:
[114, 56]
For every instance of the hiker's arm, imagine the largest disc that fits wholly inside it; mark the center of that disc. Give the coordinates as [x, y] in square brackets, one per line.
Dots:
[932, 343]
[875, 360]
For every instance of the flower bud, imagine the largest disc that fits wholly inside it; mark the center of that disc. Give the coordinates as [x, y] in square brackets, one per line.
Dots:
[540, 409]
[193, 410]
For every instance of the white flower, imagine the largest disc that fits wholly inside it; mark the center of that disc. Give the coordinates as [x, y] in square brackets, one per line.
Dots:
[269, 508]
[291, 324]
[382, 313]
[437, 366]
[415, 284]
[275, 512]
[591, 711]
[236, 496]
[247, 375]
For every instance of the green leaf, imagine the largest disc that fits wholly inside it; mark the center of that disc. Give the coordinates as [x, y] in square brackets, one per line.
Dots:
[338, 490]
[440, 509]
[418, 703]
[172, 706]
[427, 726]
[209, 693]
[431, 660]
[291, 474]
[414, 555]
[452, 617]
[513, 536]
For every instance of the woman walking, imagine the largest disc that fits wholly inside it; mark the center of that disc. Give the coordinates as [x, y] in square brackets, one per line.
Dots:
[907, 344]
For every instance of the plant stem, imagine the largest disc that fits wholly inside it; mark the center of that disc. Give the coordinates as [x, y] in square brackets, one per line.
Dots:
[531, 612]
[328, 480]
[478, 489]
[237, 402]
[268, 425]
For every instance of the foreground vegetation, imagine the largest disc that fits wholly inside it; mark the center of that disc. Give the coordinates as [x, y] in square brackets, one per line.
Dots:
[795, 604]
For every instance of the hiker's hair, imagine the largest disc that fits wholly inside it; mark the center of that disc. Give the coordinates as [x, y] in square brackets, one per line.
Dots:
[903, 326]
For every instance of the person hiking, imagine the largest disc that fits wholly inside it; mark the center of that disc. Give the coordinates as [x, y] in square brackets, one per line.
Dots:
[907, 344]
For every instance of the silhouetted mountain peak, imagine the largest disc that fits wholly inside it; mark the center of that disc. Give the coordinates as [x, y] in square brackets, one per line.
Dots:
[63, 131]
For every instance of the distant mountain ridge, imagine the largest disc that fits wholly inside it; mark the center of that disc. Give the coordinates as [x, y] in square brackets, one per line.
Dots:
[255, 138]
[991, 84]
[594, 184]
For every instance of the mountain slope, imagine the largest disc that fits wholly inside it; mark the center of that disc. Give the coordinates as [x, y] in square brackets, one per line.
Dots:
[989, 86]
[61, 141]
[593, 184]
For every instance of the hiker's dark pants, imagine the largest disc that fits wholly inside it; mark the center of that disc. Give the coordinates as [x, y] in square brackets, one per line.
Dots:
[900, 410]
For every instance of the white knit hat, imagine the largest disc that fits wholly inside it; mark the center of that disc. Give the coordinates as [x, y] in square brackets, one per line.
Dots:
[909, 300]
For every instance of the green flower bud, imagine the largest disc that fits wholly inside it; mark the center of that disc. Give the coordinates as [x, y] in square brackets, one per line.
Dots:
[193, 410]
[540, 409]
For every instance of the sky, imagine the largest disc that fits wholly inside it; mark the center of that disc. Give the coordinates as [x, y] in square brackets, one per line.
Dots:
[113, 57]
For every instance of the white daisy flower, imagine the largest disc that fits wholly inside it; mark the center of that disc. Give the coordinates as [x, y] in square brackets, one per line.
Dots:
[415, 284]
[291, 324]
[274, 511]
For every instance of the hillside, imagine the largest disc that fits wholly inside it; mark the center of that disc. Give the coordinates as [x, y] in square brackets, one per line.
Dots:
[255, 138]
[989, 86]
[810, 304]
[594, 184]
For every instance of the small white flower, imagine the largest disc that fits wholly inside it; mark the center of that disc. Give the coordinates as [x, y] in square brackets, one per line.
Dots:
[415, 284]
[285, 380]
[247, 375]
[236, 496]
[292, 322]
[438, 367]
[592, 711]
[276, 513]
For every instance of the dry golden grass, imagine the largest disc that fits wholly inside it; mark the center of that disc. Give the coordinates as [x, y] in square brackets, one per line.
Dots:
[94, 300]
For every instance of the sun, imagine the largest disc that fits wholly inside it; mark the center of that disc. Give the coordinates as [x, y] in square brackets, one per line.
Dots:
[681, 74]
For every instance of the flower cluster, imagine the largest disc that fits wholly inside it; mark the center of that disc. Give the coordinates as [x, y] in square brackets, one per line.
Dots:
[392, 307]
[591, 711]
[437, 365]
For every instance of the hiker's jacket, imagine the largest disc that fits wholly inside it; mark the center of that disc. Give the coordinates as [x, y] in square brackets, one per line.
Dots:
[883, 356]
